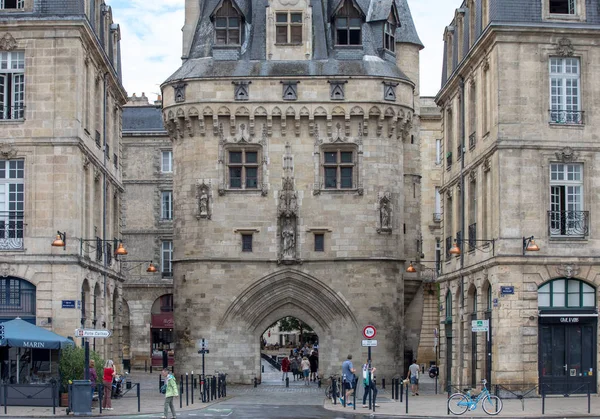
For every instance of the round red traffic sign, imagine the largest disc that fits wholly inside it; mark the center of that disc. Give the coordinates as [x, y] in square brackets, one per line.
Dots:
[369, 332]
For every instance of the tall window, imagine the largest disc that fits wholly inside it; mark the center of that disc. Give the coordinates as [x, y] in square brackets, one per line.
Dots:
[12, 4]
[448, 226]
[227, 25]
[11, 204]
[17, 297]
[438, 151]
[566, 293]
[564, 7]
[449, 137]
[166, 258]
[437, 215]
[389, 33]
[166, 161]
[485, 88]
[472, 214]
[246, 242]
[319, 242]
[567, 217]
[565, 101]
[348, 23]
[166, 205]
[243, 169]
[448, 307]
[12, 84]
[339, 168]
[472, 113]
[288, 28]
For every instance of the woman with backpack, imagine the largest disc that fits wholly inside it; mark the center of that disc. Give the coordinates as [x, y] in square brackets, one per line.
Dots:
[170, 390]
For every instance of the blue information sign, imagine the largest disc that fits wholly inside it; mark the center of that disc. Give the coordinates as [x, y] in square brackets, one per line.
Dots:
[507, 290]
[68, 303]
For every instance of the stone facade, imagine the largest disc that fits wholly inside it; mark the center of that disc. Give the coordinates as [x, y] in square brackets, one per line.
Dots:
[252, 190]
[514, 170]
[61, 116]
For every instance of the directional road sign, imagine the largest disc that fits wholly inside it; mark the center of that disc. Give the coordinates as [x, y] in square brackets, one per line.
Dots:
[480, 325]
[92, 333]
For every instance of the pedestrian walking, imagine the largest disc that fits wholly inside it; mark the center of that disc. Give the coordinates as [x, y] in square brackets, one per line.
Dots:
[294, 367]
[314, 365]
[285, 368]
[93, 376]
[369, 383]
[305, 366]
[107, 379]
[348, 375]
[170, 389]
[413, 375]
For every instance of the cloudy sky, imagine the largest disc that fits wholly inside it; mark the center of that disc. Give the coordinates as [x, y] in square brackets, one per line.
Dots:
[151, 40]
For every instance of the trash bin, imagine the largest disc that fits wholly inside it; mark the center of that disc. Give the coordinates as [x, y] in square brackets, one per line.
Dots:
[80, 397]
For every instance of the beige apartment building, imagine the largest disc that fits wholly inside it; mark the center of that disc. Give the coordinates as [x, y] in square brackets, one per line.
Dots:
[60, 118]
[521, 157]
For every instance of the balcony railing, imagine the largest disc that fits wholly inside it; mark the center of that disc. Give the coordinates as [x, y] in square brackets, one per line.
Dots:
[459, 150]
[437, 217]
[459, 240]
[98, 144]
[472, 236]
[115, 160]
[107, 151]
[569, 223]
[98, 249]
[12, 112]
[563, 117]
[11, 230]
[448, 247]
[449, 161]
[472, 140]
[17, 302]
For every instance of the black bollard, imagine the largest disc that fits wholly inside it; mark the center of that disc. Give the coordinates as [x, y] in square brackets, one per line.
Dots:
[407, 399]
[150, 368]
[354, 394]
[334, 390]
[344, 401]
[145, 365]
[255, 382]
[436, 383]
[193, 385]
[160, 382]
[181, 392]
[287, 382]
[374, 395]
[393, 383]
[383, 383]
[401, 390]
[319, 382]
[187, 394]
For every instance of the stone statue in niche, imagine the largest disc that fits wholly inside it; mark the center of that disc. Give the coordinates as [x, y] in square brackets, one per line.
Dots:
[287, 211]
[203, 196]
[289, 239]
[385, 213]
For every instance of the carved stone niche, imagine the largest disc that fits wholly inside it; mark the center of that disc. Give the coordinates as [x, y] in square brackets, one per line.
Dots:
[7, 42]
[179, 92]
[568, 271]
[567, 155]
[385, 212]
[8, 151]
[564, 47]
[203, 192]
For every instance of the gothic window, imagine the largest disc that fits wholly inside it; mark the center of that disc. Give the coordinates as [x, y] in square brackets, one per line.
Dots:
[243, 168]
[290, 90]
[389, 91]
[389, 33]
[12, 84]
[337, 90]
[227, 25]
[348, 23]
[242, 90]
[12, 4]
[563, 7]
[288, 28]
[339, 168]
[179, 92]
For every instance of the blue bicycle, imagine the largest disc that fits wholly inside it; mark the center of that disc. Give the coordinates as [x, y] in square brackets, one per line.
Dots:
[458, 403]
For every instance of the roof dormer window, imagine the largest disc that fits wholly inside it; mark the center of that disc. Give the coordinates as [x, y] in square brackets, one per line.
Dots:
[12, 4]
[562, 7]
[348, 23]
[389, 33]
[227, 25]
[288, 27]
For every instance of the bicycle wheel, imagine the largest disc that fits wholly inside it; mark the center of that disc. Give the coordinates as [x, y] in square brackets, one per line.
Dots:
[458, 403]
[492, 405]
[329, 393]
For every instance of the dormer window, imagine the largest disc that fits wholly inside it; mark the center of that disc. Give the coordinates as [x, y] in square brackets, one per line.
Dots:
[227, 25]
[348, 23]
[12, 4]
[288, 28]
[562, 7]
[389, 33]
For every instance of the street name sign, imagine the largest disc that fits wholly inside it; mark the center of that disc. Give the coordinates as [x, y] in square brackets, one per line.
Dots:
[480, 325]
[369, 342]
[92, 333]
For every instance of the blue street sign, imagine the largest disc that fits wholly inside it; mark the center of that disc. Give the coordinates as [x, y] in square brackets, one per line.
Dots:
[507, 290]
[68, 304]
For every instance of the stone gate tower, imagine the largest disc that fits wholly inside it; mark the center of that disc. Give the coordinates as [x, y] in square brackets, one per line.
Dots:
[294, 126]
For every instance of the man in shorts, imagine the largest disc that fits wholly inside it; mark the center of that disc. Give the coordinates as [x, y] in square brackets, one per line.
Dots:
[348, 375]
[413, 375]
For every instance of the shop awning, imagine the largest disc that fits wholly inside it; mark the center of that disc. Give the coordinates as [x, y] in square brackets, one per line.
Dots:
[21, 334]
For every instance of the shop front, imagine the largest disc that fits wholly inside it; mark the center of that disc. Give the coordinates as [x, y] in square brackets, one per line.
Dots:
[568, 324]
[161, 332]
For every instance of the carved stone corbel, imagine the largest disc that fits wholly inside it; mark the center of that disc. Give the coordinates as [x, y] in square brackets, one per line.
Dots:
[567, 155]
[7, 42]
[8, 151]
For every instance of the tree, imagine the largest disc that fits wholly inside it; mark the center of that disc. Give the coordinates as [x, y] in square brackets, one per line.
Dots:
[289, 324]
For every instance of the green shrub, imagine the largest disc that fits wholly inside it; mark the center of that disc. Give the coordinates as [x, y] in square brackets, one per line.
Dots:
[71, 364]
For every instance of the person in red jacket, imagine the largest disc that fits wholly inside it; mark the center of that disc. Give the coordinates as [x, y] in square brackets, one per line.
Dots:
[107, 379]
[285, 368]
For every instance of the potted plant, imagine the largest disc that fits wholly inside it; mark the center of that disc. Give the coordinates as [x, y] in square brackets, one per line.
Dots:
[71, 365]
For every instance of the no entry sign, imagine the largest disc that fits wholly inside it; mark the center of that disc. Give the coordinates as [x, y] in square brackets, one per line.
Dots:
[369, 332]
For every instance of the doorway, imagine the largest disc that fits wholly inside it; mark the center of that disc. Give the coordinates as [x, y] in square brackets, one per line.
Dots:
[567, 354]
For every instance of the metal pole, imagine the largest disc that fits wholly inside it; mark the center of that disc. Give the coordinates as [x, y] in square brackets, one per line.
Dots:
[100, 396]
[193, 385]
[5, 391]
[407, 399]
[181, 392]
[86, 360]
[543, 400]
[187, 394]
[53, 398]
[588, 397]
[138, 396]
[354, 382]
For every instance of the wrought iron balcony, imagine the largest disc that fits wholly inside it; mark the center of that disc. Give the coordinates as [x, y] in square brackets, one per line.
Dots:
[17, 302]
[11, 230]
[459, 151]
[437, 217]
[569, 223]
[448, 161]
[98, 144]
[448, 247]
[472, 236]
[12, 112]
[472, 140]
[564, 117]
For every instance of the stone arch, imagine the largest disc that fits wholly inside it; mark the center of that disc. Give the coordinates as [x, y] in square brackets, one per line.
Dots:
[260, 111]
[290, 111]
[180, 113]
[193, 112]
[320, 111]
[207, 111]
[338, 111]
[224, 111]
[389, 112]
[242, 111]
[276, 111]
[374, 111]
[357, 110]
[320, 301]
[304, 111]
[486, 295]
[170, 116]
[472, 299]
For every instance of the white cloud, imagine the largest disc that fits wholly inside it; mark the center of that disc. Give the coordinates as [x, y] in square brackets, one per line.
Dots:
[151, 40]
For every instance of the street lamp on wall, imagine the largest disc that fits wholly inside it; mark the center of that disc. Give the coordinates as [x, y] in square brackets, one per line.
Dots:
[529, 245]
[61, 240]
[455, 249]
[150, 269]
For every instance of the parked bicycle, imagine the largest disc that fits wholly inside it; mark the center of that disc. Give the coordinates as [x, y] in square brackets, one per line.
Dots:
[459, 403]
[333, 392]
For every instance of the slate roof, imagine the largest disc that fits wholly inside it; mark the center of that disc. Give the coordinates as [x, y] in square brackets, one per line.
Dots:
[142, 119]
[252, 60]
